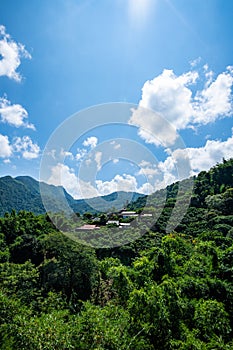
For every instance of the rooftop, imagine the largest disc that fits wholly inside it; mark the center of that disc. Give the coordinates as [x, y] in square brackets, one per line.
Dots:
[87, 227]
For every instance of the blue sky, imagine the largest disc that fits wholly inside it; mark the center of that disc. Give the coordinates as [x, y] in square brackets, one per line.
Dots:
[170, 56]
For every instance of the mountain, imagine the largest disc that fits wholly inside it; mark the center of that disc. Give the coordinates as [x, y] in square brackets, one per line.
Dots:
[113, 201]
[216, 181]
[170, 285]
[24, 193]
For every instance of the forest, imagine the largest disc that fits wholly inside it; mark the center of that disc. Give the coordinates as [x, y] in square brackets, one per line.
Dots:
[163, 291]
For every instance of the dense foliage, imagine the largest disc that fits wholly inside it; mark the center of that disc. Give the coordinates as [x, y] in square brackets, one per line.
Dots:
[163, 291]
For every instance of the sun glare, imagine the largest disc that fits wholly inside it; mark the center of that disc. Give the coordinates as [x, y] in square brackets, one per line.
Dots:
[139, 10]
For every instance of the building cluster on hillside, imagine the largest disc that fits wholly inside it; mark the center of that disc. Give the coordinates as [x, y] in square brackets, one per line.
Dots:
[120, 219]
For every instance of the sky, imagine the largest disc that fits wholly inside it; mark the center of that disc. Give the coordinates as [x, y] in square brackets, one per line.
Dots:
[101, 96]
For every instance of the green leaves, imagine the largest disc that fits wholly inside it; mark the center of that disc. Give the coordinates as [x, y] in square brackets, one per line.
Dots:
[163, 291]
[68, 267]
[210, 318]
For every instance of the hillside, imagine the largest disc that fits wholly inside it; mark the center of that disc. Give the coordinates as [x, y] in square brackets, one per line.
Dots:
[215, 181]
[161, 291]
[23, 193]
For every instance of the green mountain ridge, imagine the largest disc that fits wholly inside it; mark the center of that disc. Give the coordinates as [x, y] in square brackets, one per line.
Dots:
[24, 193]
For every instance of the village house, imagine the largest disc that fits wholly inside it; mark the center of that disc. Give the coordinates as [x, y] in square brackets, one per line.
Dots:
[128, 214]
[113, 222]
[87, 227]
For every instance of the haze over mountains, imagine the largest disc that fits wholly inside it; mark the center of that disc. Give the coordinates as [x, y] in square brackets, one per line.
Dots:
[24, 193]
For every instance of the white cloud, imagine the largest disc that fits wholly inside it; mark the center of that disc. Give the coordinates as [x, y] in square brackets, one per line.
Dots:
[195, 62]
[149, 171]
[14, 115]
[214, 151]
[153, 127]
[170, 96]
[214, 101]
[146, 188]
[5, 147]
[168, 171]
[26, 147]
[179, 164]
[98, 157]
[126, 183]
[91, 141]
[144, 163]
[168, 104]
[80, 154]
[201, 158]
[11, 53]
[59, 155]
[23, 146]
[66, 154]
[115, 160]
[62, 175]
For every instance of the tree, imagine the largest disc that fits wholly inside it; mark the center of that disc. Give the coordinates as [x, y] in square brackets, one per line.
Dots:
[68, 267]
[211, 320]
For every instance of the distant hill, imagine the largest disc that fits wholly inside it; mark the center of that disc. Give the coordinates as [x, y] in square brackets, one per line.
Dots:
[216, 181]
[23, 193]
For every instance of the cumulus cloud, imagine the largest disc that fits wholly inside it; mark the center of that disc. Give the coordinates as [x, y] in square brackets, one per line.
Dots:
[148, 171]
[14, 115]
[19, 146]
[146, 188]
[62, 175]
[5, 147]
[124, 182]
[82, 152]
[179, 164]
[197, 159]
[168, 104]
[153, 127]
[25, 146]
[90, 142]
[215, 100]
[11, 53]
[203, 158]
